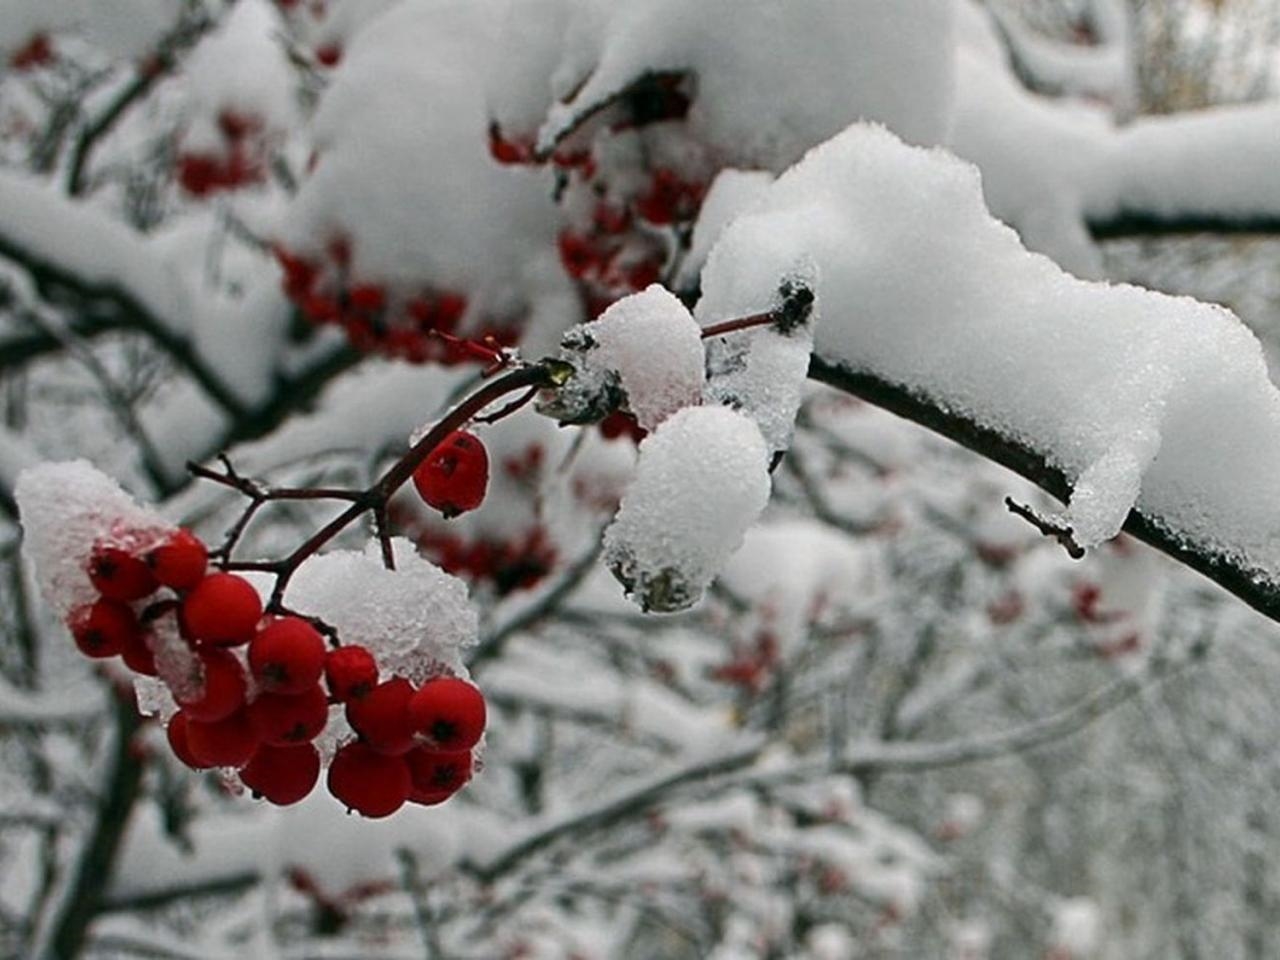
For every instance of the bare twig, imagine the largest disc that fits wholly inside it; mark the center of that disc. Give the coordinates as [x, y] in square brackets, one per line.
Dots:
[1047, 526]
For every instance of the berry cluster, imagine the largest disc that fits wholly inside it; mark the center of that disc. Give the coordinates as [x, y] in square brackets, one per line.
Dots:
[36, 52]
[239, 159]
[421, 326]
[254, 691]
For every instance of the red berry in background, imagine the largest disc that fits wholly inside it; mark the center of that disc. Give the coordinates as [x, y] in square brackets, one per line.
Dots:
[36, 52]
[329, 55]
[223, 609]
[282, 775]
[382, 717]
[102, 629]
[287, 656]
[180, 561]
[228, 742]
[370, 783]
[436, 772]
[281, 720]
[351, 672]
[454, 476]
[449, 711]
[176, 733]
[222, 691]
[137, 655]
[118, 575]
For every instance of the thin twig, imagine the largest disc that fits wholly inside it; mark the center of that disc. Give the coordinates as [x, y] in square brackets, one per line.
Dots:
[1047, 526]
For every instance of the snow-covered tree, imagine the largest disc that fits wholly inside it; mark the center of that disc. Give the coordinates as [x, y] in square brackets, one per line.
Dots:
[466, 493]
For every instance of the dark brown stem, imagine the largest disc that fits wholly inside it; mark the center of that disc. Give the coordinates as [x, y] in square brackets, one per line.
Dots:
[739, 323]
[1060, 532]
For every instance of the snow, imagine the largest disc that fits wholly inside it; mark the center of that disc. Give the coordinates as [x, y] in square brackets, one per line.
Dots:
[1129, 392]
[415, 619]
[649, 345]
[841, 61]
[731, 192]
[702, 479]
[1077, 923]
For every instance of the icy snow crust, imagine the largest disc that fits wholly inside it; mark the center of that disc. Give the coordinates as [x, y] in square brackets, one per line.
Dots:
[701, 480]
[772, 78]
[1137, 396]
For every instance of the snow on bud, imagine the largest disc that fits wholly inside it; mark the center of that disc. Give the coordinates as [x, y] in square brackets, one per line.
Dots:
[701, 480]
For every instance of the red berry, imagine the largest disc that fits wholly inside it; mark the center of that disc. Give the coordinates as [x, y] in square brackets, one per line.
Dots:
[180, 561]
[371, 783]
[450, 712]
[281, 720]
[329, 55]
[37, 52]
[287, 656]
[282, 775]
[102, 629]
[137, 655]
[176, 733]
[436, 772]
[223, 610]
[351, 672]
[382, 717]
[220, 684]
[454, 476]
[367, 298]
[119, 575]
[228, 742]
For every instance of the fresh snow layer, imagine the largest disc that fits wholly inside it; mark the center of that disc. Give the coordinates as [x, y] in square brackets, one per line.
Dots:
[701, 480]
[772, 79]
[1135, 395]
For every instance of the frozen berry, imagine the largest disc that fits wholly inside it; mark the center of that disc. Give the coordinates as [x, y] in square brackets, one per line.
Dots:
[180, 561]
[437, 772]
[118, 575]
[228, 742]
[382, 717]
[371, 783]
[287, 656]
[102, 629]
[450, 712]
[281, 719]
[283, 775]
[217, 688]
[137, 654]
[176, 733]
[223, 609]
[351, 672]
[454, 476]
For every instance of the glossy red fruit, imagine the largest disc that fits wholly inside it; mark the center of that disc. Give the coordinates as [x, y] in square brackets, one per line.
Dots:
[223, 609]
[449, 712]
[382, 717]
[180, 561]
[228, 742]
[118, 575]
[281, 720]
[137, 655]
[102, 629]
[454, 476]
[351, 672]
[176, 733]
[287, 656]
[220, 685]
[436, 772]
[282, 775]
[370, 783]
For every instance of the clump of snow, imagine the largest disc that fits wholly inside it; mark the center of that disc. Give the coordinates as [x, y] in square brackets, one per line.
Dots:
[67, 508]
[1077, 926]
[644, 353]
[1132, 392]
[771, 80]
[415, 619]
[731, 192]
[702, 479]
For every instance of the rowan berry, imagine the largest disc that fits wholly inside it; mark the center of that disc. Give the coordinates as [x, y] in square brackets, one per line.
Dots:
[223, 609]
[351, 672]
[118, 575]
[449, 711]
[437, 772]
[217, 687]
[287, 656]
[180, 561]
[137, 654]
[382, 717]
[281, 720]
[454, 476]
[102, 629]
[371, 783]
[228, 742]
[282, 775]
[176, 734]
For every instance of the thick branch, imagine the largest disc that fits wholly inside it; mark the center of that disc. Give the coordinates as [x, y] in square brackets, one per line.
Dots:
[1249, 585]
[1140, 223]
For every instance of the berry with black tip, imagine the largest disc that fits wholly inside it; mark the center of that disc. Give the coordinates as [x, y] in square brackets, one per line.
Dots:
[118, 575]
[455, 475]
[351, 672]
[102, 629]
[437, 774]
[382, 717]
[283, 719]
[287, 656]
[448, 711]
